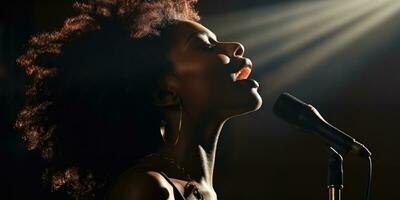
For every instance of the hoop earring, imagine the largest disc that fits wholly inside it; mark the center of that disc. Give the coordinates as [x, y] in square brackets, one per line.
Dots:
[180, 124]
[164, 123]
[162, 130]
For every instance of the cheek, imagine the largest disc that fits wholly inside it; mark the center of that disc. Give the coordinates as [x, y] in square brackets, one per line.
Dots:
[223, 59]
[206, 69]
[207, 83]
[196, 94]
[210, 94]
[206, 87]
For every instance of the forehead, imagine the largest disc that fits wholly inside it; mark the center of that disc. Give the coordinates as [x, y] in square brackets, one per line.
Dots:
[184, 30]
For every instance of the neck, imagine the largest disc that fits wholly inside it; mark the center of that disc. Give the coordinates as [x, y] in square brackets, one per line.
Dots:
[196, 147]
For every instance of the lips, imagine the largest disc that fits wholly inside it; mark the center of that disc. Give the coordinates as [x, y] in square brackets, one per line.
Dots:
[244, 70]
[244, 73]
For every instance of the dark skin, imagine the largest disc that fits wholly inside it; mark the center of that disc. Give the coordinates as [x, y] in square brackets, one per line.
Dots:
[207, 86]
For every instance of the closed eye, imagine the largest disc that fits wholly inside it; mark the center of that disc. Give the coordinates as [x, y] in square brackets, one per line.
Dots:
[208, 43]
[206, 40]
[208, 46]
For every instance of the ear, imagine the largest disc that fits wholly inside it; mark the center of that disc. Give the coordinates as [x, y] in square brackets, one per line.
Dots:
[166, 95]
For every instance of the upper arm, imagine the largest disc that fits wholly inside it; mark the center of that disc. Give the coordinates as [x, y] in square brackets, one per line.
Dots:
[142, 186]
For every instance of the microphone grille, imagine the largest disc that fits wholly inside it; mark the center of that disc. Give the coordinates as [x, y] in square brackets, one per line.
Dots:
[289, 108]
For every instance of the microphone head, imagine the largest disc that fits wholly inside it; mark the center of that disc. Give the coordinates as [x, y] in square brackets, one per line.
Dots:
[305, 116]
[291, 109]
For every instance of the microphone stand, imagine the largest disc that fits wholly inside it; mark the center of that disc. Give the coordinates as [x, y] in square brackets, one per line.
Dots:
[335, 175]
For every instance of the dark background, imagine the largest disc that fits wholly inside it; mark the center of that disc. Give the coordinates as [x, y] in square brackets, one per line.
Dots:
[356, 88]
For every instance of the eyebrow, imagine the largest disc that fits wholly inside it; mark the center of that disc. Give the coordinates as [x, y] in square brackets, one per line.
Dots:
[194, 34]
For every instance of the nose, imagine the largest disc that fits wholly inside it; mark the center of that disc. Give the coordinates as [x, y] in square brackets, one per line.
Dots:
[234, 49]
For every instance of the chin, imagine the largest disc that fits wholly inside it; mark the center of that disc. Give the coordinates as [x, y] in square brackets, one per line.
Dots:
[256, 101]
[252, 103]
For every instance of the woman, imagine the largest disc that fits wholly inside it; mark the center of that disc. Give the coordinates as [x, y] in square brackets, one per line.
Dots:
[114, 78]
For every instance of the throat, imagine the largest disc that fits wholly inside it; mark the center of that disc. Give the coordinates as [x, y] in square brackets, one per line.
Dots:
[196, 148]
[194, 164]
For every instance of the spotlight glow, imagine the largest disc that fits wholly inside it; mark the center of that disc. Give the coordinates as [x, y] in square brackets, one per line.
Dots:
[261, 17]
[287, 41]
[306, 61]
[293, 28]
[299, 41]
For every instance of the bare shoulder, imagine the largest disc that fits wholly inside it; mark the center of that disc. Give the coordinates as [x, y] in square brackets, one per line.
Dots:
[141, 185]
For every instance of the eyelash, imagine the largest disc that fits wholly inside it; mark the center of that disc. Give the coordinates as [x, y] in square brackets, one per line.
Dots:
[209, 46]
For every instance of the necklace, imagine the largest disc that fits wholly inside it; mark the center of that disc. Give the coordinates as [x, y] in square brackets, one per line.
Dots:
[190, 187]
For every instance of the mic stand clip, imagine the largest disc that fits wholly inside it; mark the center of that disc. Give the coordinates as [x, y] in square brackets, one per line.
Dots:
[335, 175]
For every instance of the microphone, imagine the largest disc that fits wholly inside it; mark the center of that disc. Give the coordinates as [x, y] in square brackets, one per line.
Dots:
[305, 116]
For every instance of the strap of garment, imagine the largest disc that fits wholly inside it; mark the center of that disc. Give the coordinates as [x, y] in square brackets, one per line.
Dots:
[177, 194]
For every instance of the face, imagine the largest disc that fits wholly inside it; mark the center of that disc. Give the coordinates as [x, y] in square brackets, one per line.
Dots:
[212, 76]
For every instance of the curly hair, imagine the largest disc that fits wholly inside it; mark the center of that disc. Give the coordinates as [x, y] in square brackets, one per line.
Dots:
[87, 103]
